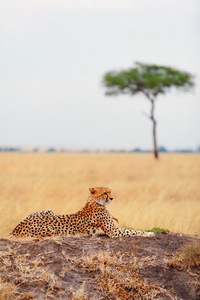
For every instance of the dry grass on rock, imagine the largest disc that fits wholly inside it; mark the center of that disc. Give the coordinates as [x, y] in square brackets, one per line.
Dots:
[84, 268]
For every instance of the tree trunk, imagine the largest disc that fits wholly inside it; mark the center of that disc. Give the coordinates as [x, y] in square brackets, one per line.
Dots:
[154, 129]
[154, 140]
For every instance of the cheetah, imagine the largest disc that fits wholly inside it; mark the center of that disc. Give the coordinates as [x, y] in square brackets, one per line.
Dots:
[92, 219]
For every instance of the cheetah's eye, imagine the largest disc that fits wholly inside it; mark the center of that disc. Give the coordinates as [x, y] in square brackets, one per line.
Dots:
[106, 194]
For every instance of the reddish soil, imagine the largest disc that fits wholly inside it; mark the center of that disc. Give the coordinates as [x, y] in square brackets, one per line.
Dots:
[47, 268]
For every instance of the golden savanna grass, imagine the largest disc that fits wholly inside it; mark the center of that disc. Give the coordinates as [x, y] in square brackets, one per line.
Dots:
[147, 193]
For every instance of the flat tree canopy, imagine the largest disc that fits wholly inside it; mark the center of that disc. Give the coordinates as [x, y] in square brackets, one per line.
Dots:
[150, 80]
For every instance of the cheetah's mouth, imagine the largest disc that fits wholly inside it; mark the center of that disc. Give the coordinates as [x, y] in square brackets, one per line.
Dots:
[109, 201]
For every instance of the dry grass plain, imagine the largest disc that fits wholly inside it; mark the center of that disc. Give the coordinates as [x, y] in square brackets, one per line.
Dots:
[147, 193]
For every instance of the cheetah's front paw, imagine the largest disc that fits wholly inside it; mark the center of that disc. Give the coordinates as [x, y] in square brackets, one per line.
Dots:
[150, 234]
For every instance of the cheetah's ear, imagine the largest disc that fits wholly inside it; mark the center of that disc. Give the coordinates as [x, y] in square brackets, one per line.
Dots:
[92, 190]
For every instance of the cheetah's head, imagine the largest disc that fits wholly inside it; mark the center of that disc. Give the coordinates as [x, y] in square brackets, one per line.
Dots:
[101, 195]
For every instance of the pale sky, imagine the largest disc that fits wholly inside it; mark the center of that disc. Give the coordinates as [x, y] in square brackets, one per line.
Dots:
[54, 54]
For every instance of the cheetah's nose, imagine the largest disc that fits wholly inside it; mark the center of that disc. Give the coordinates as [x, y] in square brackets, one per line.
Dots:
[111, 199]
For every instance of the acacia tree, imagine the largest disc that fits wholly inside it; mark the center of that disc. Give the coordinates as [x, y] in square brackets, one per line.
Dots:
[149, 80]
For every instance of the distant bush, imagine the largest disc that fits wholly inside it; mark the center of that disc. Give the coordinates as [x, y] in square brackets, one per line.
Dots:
[184, 151]
[51, 150]
[162, 149]
[10, 149]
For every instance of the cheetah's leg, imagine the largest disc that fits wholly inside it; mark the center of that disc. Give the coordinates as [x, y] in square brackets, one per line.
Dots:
[109, 229]
[119, 232]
